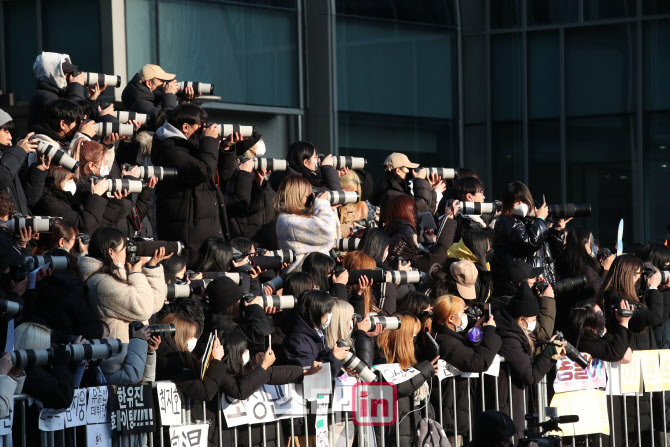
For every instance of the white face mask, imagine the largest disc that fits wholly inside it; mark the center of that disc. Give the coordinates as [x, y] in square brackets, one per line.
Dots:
[531, 326]
[104, 170]
[70, 186]
[245, 357]
[520, 210]
[259, 148]
[327, 323]
[464, 324]
[190, 344]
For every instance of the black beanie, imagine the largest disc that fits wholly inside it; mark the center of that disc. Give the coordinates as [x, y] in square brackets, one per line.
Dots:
[492, 427]
[223, 293]
[523, 303]
[247, 143]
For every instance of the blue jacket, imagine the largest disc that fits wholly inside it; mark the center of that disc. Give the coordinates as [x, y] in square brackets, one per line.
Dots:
[303, 345]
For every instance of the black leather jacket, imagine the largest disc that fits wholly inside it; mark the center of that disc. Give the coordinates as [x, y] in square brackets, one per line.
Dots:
[529, 240]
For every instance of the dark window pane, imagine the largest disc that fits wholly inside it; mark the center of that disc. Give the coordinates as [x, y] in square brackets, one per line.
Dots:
[656, 65]
[506, 156]
[140, 34]
[431, 142]
[543, 75]
[544, 160]
[422, 11]
[599, 171]
[250, 54]
[20, 48]
[472, 15]
[392, 68]
[598, 66]
[547, 12]
[477, 157]
[505, 13]
[608, 9]
[506, 77]
[655, 7]
[81, 41]
[656, 175]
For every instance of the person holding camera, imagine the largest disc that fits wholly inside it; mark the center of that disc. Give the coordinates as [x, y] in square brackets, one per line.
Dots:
[458, 349]
[306, 223]
[522, 234]
[25, 192]
[465, 189]
[119, 292]
[515, 325]
[303, 160]
[658, 256]
[367, 296]
[154, 92]
[589, 332]
[474, 246]
[57, 78]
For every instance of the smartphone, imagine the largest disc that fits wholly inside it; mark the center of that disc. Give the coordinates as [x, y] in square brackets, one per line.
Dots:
[487, 311]
[430, 345]
[268, 342]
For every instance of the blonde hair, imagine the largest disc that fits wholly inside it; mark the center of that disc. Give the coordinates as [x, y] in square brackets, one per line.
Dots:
[351, 182]
[444, 307]
[291, 196]
[32, 336]
[184, 329]
[338, 328]
[358, 260]
[398, 345]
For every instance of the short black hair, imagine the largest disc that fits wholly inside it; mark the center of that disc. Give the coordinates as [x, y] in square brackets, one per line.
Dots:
[9, 125]
[61, 109]
[314, 305]
[187, 114]
[466, 185]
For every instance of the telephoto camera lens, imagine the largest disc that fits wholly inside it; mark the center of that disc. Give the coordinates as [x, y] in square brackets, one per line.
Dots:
[376, 275]
[56, 263]
[199, 285]
[27, 358]
[406, 276]
[92, 352]
[270, 164]
[572, 353]
[124, 116]
[342, 197]
[445, 173]
[137, 248]
[101, 79]
[286, 255]
[275, 283]
[162, 330]
[9, 308]
[352, 362]
[58, 156]
[235, 276]
[266, 262]
[569, 284]
[114, 185]
[386, 322]
[175, 291]
[114, 343]
[40, 224]
[198, 87]
[146, 172]
[227, 129]
[345, 161]
[347, 244]
[124, 130]
[570, 210]
[279, 301]
[477, 208]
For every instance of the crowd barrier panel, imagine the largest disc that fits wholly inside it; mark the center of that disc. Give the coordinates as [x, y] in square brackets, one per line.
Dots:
[343, 420]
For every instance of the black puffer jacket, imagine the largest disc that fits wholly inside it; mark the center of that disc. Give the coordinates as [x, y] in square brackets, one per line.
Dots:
[83, 210]
[256, 221]
[424, 197]
[403, 243]
[24, 192]
[46, 93]
[458, 351]
[648, 314]
[526, 371]
[527, 240]
[609, 348]
[138, 98]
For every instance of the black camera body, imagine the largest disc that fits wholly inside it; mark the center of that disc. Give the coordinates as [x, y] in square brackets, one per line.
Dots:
[478, 310]
[572, 353]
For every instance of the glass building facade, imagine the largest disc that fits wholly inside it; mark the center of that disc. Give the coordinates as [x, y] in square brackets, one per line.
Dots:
[569, 96]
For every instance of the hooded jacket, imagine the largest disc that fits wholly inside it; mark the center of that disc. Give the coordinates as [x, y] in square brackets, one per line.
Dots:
[51, 84]
[121, 299]
[460, 252]
[424, 197]
[24, 192]
[138, 98]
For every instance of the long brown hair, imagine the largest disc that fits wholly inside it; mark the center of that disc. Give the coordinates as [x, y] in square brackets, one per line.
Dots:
[444, 307]
[402, 207]
[357, 260]
[88, 152]
[292, 195]
[184, 328]
[398, 345]
[621, 277]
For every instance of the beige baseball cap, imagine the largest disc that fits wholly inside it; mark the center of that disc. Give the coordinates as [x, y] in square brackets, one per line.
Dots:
[150, 71]
[465, 273]
[398, 160]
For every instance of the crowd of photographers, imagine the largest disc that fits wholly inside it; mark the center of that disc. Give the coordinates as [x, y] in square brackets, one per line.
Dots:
[154, 237]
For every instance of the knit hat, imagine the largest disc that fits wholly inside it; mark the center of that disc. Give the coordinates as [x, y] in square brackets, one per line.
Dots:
[465, 274]
[519, 271]
[223, 293]
[523, 303]
[492, 427]
[4, 117]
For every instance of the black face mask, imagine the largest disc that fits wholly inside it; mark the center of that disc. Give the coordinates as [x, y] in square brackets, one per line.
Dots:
[196, 136]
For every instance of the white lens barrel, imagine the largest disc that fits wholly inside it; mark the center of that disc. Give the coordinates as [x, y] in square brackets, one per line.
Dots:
[124, 116]
[198, 87]
[445, 173]
[102, 79]
[342, 197]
